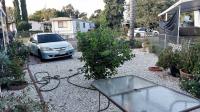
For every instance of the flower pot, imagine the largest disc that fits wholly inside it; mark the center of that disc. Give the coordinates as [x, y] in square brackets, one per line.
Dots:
[174, 71]
[185, 74]
[155, 69]
[17, 85]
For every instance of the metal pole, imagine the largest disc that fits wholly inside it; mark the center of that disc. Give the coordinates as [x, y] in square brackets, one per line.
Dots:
[179, 15]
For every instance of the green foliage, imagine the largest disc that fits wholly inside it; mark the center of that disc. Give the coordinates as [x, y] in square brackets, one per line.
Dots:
[102, 53]
[17, 14]
[191, 59]
[156, 49]
[24, 10]
[11, 65]
[169, 58]
[192, 86]
[114, 12]
[23, 26]
[135, 43]
[147, 11]
[23, 103]
[44, 14]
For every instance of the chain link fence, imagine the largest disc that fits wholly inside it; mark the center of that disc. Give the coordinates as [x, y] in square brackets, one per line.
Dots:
[159, 43]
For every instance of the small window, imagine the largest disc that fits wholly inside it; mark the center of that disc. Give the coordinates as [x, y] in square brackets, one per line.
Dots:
[83, 25]
[62, 24]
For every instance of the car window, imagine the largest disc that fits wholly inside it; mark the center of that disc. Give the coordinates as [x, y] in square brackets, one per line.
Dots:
[142, 29]
[45, 38]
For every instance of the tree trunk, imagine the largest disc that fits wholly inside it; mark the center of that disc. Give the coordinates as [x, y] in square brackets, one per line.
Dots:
[4, 9]
[132, 18]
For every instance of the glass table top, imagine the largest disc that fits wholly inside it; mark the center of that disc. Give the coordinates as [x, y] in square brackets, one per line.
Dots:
[122, 84]
[133, 94]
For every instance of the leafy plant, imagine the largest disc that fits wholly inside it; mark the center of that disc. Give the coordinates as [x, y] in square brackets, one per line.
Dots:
[190, 63]
[135, 43]
[169, 58]
[17, 50]
[23, 103]
[102, 53]
[191, 59]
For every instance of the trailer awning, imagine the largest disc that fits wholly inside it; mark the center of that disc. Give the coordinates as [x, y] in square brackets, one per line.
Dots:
[186, 5]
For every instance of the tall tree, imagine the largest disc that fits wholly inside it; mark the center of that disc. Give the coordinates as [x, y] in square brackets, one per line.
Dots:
[132, 18]
[147, 11]
[24, 10]
[4, 8]
[68, 11]
[83, 16]
[16, 11]
[114, 12]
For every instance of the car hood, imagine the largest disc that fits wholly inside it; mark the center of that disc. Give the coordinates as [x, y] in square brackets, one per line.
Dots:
[55, 44]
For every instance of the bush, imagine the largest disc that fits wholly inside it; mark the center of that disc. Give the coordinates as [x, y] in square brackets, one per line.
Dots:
[102, 53]
[23, 26]
[135, 43]
[190, 63]
[156, 49]
[17, 50]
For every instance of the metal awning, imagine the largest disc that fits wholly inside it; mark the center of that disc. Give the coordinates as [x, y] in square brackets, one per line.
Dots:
[185, 5]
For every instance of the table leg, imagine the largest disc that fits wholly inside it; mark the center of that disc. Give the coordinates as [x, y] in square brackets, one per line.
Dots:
[99, 102]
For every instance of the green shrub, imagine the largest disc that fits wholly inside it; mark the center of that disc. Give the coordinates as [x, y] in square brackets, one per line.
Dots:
[191, 59]
[135, 43]
[155, 49]
[23, 26]
[191, 63]
[17, 50]
[192, 86]
[102, 53]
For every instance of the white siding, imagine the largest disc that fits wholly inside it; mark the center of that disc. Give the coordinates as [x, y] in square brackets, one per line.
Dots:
[197, 18]
[74, 25]
[36, 26]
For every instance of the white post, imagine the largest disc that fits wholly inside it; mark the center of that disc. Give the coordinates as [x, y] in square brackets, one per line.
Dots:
[179, 16]
[165, 41]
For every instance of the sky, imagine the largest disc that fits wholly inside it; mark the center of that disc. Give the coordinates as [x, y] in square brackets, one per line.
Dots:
[88, 6]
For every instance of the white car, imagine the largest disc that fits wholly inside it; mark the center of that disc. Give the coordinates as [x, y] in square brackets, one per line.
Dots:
[49, 46]
[142, 32]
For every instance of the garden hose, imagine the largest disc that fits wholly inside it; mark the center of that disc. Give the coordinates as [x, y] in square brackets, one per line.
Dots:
[45, 80]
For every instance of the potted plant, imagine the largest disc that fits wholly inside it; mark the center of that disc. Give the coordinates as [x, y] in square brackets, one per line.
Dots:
[102, 53]
[170, 59]
[190, 61]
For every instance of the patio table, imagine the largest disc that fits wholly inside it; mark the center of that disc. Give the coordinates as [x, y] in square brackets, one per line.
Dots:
[135, 94]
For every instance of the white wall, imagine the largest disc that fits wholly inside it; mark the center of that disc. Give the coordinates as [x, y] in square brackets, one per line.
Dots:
[72, 29]
[36, 26]
[67, 30]
[197, 18]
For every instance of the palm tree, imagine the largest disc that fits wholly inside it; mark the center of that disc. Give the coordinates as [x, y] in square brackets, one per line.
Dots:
[132, 18]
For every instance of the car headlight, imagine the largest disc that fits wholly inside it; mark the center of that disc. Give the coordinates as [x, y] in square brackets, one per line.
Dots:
[46, 49]
[69, 46]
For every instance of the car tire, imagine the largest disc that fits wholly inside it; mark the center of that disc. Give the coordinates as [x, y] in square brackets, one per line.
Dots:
[40, 56]
[138, 35]
[156, 34]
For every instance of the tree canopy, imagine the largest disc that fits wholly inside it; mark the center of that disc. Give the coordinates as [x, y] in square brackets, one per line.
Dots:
[147, 11]
[66, 11]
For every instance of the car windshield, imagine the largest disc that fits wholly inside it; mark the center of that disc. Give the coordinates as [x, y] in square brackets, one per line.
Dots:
[45, 38]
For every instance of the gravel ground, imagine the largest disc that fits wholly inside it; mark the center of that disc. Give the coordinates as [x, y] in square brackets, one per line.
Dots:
[68, 98]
